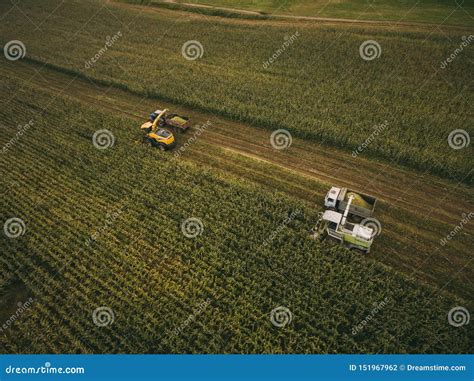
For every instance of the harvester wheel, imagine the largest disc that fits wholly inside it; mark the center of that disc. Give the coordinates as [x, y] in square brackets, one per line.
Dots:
[161, 147]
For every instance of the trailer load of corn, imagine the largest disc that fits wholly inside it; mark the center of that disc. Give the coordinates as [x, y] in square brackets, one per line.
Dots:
[362, 205]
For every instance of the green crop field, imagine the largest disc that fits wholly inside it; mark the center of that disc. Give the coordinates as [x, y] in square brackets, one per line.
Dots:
[112, 246]
[154, 278]
[327, 93]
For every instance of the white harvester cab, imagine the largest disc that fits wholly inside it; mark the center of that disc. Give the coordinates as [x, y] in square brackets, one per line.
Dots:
[362, 232]
[333, 218]
[331, 197]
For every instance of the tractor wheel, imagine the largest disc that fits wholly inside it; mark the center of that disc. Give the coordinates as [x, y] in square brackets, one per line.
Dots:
[155, 144]
[161, 147]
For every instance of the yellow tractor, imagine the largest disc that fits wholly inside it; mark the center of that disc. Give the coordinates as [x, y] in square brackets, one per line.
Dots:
[158, 137]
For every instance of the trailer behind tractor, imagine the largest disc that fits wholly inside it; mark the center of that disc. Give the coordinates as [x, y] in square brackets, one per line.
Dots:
[362, 205]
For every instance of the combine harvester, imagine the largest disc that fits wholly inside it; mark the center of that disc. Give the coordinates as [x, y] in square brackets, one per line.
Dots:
[341, 220]
[156, 130]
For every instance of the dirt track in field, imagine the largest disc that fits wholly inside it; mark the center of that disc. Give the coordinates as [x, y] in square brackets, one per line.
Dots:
[279, 19]
[419, 196]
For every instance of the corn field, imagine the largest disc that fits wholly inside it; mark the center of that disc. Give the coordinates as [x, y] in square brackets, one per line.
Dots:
[109, 267]
[317, 86]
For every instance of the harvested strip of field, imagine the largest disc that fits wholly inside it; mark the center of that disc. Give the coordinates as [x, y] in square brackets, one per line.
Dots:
[169, 293]
[326, 93]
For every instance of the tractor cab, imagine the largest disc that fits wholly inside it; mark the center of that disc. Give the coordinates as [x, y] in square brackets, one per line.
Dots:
[154, 114]
[161, 115]
[331, 197]
[163, 133]
[161, 138]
